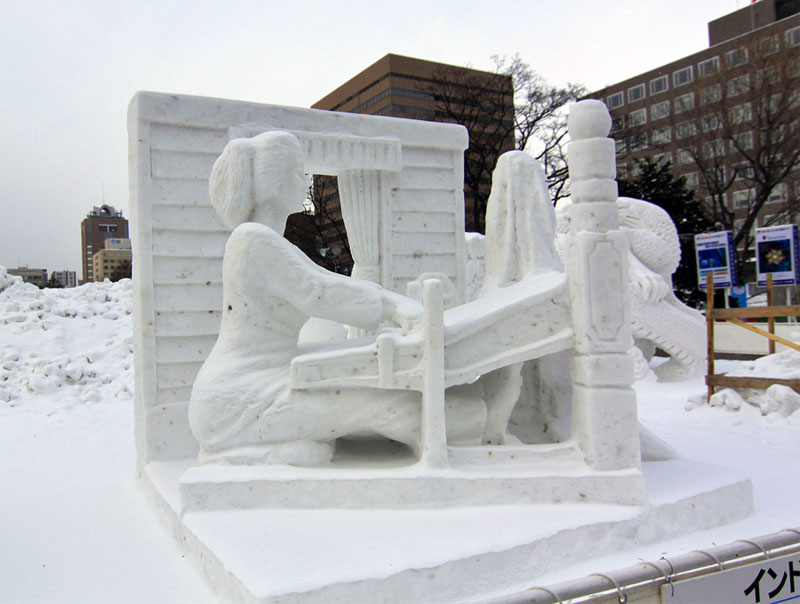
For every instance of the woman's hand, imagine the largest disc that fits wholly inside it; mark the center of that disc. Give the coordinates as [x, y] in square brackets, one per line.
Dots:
[401, 311]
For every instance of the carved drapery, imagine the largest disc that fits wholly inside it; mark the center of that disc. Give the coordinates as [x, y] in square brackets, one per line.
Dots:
[359, 194]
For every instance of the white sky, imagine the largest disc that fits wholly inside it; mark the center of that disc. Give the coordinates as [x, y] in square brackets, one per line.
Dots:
[68, 70]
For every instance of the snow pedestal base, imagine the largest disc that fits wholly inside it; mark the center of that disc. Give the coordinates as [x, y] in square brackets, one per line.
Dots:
[281, 554]
[476, 476]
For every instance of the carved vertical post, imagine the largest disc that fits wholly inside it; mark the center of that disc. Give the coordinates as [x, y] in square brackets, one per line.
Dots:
[604, 419]
[434, 433]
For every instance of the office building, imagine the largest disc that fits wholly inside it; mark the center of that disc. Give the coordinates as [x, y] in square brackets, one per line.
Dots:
[114, 260]
[65, 278]
[712, 112]
[36, 276]
[103, 222]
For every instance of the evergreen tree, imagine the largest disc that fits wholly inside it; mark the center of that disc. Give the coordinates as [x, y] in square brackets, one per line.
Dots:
[656, 183]
[53, 283]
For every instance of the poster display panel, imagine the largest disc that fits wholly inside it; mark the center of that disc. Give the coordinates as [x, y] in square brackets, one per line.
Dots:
[776, 254]
[714, 253]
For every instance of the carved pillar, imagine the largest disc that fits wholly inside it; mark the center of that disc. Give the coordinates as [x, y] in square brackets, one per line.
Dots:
[359, 194]
[604, 417]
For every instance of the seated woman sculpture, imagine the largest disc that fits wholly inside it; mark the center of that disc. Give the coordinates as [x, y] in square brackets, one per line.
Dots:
[242, 407]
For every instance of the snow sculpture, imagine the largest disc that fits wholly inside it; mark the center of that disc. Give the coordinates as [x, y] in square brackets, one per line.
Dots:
[658, 318]
[243, 407]
[259, 397]
[440, 374]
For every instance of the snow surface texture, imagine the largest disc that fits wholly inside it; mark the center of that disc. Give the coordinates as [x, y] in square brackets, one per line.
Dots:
[75, 526]
[73, 345]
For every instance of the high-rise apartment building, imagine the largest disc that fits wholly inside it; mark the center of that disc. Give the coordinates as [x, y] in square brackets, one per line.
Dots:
[103, 222]
[406, 87]
[65, 278]
[726, 117]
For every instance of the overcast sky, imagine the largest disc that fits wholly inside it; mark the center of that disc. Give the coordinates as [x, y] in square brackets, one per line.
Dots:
[69, 68]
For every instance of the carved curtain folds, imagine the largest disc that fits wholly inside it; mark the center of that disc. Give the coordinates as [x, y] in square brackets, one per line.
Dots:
[359, 194]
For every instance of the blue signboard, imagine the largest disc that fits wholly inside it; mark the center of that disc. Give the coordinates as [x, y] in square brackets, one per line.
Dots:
[776, 254]
[714, 253]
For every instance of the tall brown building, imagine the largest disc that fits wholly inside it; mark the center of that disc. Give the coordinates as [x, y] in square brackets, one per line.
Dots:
[726, 117]
[103, 222]
[405, 87]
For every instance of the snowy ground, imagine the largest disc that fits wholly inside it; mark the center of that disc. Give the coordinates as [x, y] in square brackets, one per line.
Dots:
[75, 527]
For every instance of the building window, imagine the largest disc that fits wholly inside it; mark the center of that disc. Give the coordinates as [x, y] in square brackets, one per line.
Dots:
[743, 141]
[715, 178]
[743, 170]
[658, 85]
[615, 100]
[682, 76]
[617, 124]
[685, 102]
[662, 159]
[739, 85]
[768, 46]
[792, 36]
[708, 67]
[661, 136]
[768, 75]
[692, 180]
[769, 107]
[710, 122]
[736, 57]
[621, 147]
[793, 68]
[659, 110]
[778, 194]
[635, 93]
[638, 142]
[685, 157]
[685, 129]
[710, 94]
[740, 114]
[622, 171]
[637, 118]
[741, 199]
[713, 149]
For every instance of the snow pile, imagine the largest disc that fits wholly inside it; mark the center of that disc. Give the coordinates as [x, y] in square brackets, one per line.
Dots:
[783, 365]
[779, 402]
[73, 345]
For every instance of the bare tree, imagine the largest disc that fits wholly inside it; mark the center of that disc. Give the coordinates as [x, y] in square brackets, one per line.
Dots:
[737, 125]
[320, 230]
[483, 103]
[510, 108]
[540, 124]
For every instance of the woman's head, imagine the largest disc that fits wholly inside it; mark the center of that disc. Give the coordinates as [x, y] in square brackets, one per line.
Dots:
[260, 173]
